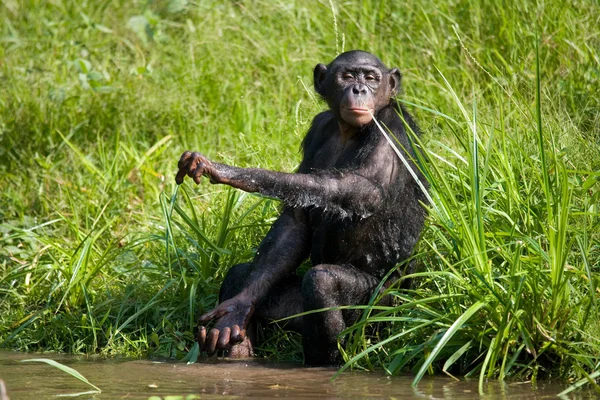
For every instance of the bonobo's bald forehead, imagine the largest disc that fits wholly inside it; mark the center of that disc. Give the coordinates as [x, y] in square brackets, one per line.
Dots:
[357, 57]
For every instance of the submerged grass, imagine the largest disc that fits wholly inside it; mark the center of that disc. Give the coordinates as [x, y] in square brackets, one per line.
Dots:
[100, 252]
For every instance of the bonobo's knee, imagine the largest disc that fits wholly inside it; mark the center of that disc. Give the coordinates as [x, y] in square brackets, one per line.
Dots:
[319, 284]
[234, 281]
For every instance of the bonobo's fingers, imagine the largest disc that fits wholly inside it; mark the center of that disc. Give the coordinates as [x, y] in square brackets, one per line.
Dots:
[208, 316]
[198, 172]
[215, 313]
[182, 166]
[201, 337]
[185, 157]
[223, 341]
[197, 167]
[179, 177]
[190, 167]
[211, 341]
[237, 334]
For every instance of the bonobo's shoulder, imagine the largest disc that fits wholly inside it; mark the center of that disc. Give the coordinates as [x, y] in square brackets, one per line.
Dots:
[320, 129]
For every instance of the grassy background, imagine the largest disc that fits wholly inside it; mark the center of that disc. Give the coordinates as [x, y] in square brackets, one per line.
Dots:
[99, 252]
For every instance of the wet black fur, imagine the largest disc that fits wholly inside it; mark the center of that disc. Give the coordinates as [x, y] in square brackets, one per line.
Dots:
[352, 208]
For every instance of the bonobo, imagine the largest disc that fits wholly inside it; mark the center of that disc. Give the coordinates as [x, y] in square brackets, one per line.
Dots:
[352, 207]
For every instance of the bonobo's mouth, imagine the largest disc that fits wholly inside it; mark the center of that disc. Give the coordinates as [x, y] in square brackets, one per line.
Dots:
[357, 116]
[359, 110]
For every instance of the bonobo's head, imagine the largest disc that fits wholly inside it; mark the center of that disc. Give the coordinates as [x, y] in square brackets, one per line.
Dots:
[356, 85]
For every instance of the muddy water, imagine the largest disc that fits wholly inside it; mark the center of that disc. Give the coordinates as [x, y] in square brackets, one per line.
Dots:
[142, 379]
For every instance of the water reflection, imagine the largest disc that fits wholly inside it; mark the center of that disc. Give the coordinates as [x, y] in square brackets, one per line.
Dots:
[140, 379]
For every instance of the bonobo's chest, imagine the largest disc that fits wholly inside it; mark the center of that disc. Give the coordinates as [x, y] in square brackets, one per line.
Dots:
[339, 154]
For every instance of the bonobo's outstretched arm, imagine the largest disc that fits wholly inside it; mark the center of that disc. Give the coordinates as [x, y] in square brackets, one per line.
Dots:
[350, 191]
[279, 254]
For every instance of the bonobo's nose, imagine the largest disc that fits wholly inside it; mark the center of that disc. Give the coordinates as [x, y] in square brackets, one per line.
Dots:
[359, 88]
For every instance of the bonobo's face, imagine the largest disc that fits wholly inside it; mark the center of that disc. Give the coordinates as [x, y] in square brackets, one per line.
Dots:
[356, 85]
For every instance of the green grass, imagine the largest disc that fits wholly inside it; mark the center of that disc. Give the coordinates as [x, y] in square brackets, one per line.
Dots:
[101, 253]
[68, 370]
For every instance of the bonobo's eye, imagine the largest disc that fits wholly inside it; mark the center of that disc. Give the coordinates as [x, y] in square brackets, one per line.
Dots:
[370, 77]
[347, 76]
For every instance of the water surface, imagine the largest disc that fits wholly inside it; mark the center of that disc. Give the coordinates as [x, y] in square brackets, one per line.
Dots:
[141, 379]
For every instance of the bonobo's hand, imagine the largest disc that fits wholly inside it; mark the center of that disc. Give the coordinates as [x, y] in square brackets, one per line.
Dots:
[233, 317]
[195, 165]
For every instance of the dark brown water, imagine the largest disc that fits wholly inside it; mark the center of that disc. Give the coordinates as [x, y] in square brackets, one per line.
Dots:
[141, 379]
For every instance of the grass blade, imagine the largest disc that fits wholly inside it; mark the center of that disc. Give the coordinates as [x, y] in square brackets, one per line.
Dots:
[73, 372]
[447, 336]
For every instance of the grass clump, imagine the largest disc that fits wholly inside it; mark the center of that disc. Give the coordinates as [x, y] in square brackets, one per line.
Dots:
[509, 284]
[100, 252]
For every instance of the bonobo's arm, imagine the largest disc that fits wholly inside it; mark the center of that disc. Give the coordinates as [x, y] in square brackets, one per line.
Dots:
[279, 254]
[348, 191]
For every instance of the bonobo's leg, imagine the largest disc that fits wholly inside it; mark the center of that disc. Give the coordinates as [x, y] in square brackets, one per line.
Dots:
[283, 300]
[327, 286]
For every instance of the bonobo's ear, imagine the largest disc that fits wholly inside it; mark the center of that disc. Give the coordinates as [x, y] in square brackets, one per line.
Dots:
[319, 74]
[395, 78]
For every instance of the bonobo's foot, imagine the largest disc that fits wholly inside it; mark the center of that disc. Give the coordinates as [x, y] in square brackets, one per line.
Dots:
[232, 316]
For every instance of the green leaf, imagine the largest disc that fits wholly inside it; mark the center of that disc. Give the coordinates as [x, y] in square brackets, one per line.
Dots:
[447, 336]
[176, 6]
[83, 66]
[456, 355]
[590, 181]
[94, 76]
[154, 339]
[192, 356]
[104, 89]
[74, 373]
[588, 378]
[102, 28]
[141, 26]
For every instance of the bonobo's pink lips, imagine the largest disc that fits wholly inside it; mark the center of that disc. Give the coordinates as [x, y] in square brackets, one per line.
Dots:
[357, 110]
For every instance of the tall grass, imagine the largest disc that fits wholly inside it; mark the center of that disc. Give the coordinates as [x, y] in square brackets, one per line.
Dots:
[100, 252]
[507, 287]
